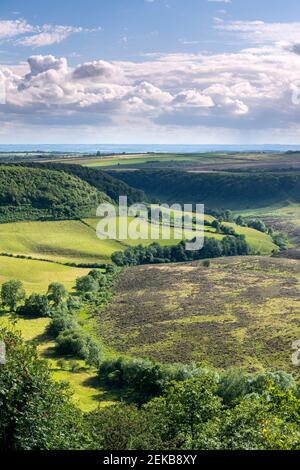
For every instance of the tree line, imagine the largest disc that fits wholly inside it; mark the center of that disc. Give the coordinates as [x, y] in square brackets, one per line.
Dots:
[156, 254]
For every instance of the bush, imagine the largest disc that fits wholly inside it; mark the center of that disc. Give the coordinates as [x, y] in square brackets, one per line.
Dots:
[35, 306]
[144, 378]
[71, 342]
[61, 323]
[87, 284]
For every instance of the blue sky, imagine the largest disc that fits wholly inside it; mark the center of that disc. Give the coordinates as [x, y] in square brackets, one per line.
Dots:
[141, 71]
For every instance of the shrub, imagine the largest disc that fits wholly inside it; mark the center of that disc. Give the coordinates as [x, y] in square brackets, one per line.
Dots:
[71, 342]
[35, 306]
[87, 284]
[206, 263]
[61, 323]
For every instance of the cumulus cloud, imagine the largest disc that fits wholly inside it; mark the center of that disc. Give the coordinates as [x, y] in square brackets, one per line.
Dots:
[97, 70]
[193, 99]
[246, 90]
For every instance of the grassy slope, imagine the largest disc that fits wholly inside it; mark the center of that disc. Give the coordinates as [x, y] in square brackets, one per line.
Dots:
[239, 312]
[74, 241]
[64, 241]
[87, 393]
[35, 194]
[37, 275]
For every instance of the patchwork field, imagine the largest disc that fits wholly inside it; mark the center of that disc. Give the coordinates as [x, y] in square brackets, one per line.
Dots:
[238, 312]
[195, 161]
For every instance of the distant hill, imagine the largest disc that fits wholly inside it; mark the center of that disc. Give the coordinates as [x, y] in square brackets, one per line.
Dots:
[37, 194]
[101, 180]
[234, 190]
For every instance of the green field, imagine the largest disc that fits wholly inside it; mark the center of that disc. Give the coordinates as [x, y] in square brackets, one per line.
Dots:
[37, 275]
[76, 241]
[238, 312]
[66, 241]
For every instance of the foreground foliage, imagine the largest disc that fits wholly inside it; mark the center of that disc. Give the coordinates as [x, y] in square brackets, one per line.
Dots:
[35, 411]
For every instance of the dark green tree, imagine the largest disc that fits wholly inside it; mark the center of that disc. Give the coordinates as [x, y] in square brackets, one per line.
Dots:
[12, 293]
[57, 293]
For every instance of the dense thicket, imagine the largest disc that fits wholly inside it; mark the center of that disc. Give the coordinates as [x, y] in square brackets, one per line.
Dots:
[98, 179]
[35, 194]
[155, 253]
[192, 414]
[215, 190]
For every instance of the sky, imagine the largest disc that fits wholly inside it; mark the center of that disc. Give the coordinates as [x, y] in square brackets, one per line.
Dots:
[150, 71]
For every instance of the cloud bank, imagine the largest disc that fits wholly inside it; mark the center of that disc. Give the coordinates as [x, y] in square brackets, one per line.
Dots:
[244, 91]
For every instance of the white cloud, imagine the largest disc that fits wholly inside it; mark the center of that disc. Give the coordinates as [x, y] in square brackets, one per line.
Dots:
[238, 92]
[97, 70]
[219, 1]
[35, 36]
[193, 99]
[260, 32]
[11, 28]
[49, 35]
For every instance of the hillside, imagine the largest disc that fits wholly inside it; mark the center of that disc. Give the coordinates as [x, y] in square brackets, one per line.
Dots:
[37, 275]
[34, 194]
[98, 179]
[75, 241]
[216, 189]
[238, 312]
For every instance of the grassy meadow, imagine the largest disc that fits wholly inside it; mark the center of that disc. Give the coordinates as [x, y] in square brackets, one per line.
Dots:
[37, 275]
[75, 241]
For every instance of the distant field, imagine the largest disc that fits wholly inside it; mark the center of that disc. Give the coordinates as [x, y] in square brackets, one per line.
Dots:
[197, 161]
[239, 312]
[37, 275]
[139, 159]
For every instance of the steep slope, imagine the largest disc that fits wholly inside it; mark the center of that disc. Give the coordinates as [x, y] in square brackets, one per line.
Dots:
[36, 194]
[100, 180]
[216, 189]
